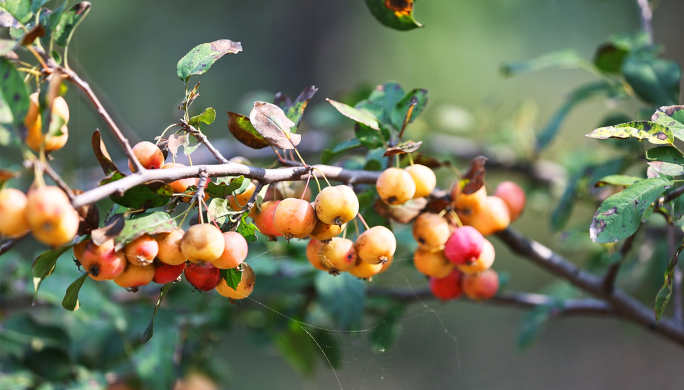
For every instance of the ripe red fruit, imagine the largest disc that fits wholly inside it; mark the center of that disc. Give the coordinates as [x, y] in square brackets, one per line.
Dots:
[514, 197]
[294, 218]
[263, 219]
[447, 288]
[164, 273]
[482, 286]
[482, 263]
[102, 262]
[142, 250]
[464, 246]
[149, 155]
[202, 276]
[235, 252]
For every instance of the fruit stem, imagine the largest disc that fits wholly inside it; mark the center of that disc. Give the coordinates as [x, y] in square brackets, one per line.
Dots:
[209, 214]
[300, 157]
[186, 214]
[322, 174]
[305, 186]
[356, 225]
[344, 231]
[410, 158]
[199, 208]
[453, 215]
[164, 132]
[362, 220]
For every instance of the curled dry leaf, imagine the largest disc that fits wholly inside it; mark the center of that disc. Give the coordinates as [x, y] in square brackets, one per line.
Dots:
[271, 122]
[404, 213]
[175, 141]
[111, 231]
[474, 178]
[89, 216]
[102, 155]
[403, 148]
[242, 129]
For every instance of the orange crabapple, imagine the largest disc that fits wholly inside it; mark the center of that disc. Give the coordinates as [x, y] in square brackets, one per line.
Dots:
[424, 178]
[202, 242]
[52, 219]
[202, 276]
[464, 245]
[336, 205]
[169, 247]
[482, 286]
[13, 221]
[165, 273]
[142, 250]
[514, 197]
[365, 270]
[432, 263]
[148, 154]
[78, 250]
[431, 231]
[135, 276]
[294, 218]
[448, 287]
[235, 251]
[482, 263]
[238, 201]
[312, 250]
[323, 231]
[34, 125]
[244, 287]
[376, 245]
[467, 204]
[263, 219]
[179, 186]
[102, 262]
[395, 186]
[493, 216]
[338, 255]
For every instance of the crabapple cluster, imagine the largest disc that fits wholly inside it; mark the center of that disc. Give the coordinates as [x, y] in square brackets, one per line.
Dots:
[397, 186]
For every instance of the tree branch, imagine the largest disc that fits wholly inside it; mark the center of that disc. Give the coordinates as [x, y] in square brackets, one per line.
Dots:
[613, 270]
[205, 141]
[624, 304]
[646, 15]
[6, 245]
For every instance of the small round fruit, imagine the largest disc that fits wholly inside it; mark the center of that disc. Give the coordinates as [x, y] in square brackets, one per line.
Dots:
[432, 263]
[52, 219]
[431, 231]
[244, 288]
[239, 201]
[79, 248]
[202, 276]
[293, 189]
[482, 263]
[142, 250]
[514, 197]
[395, 186]
[164, 273]
[13, 221]
[464, 245]
[493, 216]
[338, 255]
[34, 125]
[323, 231]
[448, 287]
[386, 265]
[467, 204]
[235, 252]
[103, 262]
[263, 219]
[376, 245]
[169, 247]
[202, 242]
[179, 186]
[135, 276]
[294, 218]
[424, 178]
[312, 251]
[481, 287]
[364, 270]
[149, 155]
[336, 205]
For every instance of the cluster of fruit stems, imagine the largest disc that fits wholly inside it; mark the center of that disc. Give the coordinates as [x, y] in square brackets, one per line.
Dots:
[611, 301]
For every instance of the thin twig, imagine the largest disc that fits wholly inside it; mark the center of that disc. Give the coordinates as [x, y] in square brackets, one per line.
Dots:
[677, 282]
[5, 246]
[205, 141]
[60, 182]
[613, 270]
[646, 16]
[253, 198]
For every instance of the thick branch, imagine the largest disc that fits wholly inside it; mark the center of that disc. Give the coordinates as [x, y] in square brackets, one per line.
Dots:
[623, 303]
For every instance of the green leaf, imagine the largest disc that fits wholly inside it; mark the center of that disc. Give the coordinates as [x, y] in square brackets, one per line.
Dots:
[236, 185]
[232, 277]
[666, 160]
[532, 325]
[618, 180]
[219, 209]
[329, 154]
[154, 362]
[44, 264]
[207, 116]
[375, 160]
[642, 130]
[247, 229]
[203, 56]
[20, 9]
[610, 56]
[620, 215]
[387, 329]
[579, 95]
[242, 129]
[144, 223]
[295, 111]
[665, 292]
[342, 296]
[70, 301]
[69, 21]
[49, 19]
[369, 138]
[36, 4]
[143, 196]
[655, 80]
[394, 14]
[271, 122]
[14, 98]
[149, 331]
[671, 117]
[678, 207]
[362, 116]
[419, 97]
[564, 59]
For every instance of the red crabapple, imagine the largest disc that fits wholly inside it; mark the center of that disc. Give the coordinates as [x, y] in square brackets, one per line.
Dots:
[202, 242]
[294, 218]
[165, 273]
[338, 255]
[448, 287]
[424, 178]
[103, 262]
[482, 286]
[514, 197]
[336, 205]
[376, 245]
[202, 276]
[13, 221]
[464, 245]
[482, 263]
[142, 250]
[244, 287]
[431, 231]
[149, 155]
[234, 253]
[179, 186]
[263, 219]
[493, 216]
[395, 186]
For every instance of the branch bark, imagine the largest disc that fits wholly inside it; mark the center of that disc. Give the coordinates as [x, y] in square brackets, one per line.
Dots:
[646, 15]
[613, 270]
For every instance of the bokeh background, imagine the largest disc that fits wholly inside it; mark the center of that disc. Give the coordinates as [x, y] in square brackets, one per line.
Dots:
[129, 49]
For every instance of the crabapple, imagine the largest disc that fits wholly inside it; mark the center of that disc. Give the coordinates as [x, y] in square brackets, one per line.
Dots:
[238, 201]
[202, 242]
[482, 263]
[336, 205]
[431, 231]
[235, 252]
[202, 276]
[293, 189]
[432, 263]
[365, 270]
[78, 250]
[148, 154]
[424, 179]
[322, 231]
[312, 250]
[386, 265]
[13, 221]
[102, 262]
[34, 125]
[244, 287]
[263, 219]
[52, 219]
[135, 275]
[142, 250]
[514, 197]
[464, 245]
[395, 186]
[169, 247]
[179, 186]
[448, 287]
[165, 273]
[294, 218]
[338, 255]
[376, 245]
[467, 204]
[482, 286]
[493, 216]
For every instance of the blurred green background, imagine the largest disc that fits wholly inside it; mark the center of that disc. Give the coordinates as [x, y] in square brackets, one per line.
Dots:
[129, 49]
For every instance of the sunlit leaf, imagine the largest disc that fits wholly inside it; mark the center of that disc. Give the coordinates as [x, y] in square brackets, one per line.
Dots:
[618, 180]
[362, 116]
[242, 129]
[270, 121]
[396, 14]
[642, 130]
[203, 56]
[403, 148]
[69, 21]
[70, 301]
[673, 118]
[232, 277]
[144, 223]
[207, 117]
